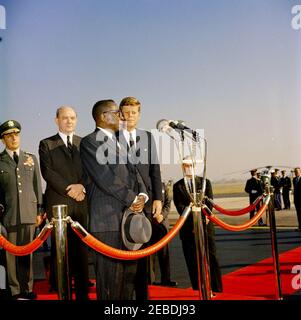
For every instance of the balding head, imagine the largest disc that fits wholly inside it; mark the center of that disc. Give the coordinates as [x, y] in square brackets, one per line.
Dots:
[66, 119]
[64, 108]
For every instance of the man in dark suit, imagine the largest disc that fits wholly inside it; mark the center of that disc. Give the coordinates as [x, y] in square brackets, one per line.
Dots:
[142, 153]
[275, 182]
[254, 189]
[286, 184]
[159, 231]
[21, 196]
[297, 195]
[112, 185]
[62, 170]
[181, 200]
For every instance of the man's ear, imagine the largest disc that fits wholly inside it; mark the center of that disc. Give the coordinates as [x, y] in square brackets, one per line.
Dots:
[102, 117]
[121, 116]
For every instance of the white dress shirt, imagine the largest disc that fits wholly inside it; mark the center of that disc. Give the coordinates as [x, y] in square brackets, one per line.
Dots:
[127, 136]
[64, 137]
[11, 153]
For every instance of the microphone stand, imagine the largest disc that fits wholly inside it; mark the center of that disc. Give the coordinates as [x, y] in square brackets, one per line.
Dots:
[199, 225]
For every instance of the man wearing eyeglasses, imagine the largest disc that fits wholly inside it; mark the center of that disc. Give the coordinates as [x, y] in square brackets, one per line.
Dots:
[112, 185]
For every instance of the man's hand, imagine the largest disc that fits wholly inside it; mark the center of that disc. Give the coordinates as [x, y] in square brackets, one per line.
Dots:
[157, 207]
[157, 211]
[81, 197]
[76, 192]
[138, 205]
[40, 219]
[159, 217]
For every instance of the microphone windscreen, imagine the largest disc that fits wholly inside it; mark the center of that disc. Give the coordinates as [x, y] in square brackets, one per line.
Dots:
[162, 125]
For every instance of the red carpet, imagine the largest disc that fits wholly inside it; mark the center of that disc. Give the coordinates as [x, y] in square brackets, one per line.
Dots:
[254, 282]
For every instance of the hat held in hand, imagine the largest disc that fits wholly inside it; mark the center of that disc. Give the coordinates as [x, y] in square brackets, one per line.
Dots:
[136, 229]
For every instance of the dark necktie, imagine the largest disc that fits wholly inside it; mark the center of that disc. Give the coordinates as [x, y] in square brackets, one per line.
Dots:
[189, 182]
[16, 157]
[132, 142]
[69, 144]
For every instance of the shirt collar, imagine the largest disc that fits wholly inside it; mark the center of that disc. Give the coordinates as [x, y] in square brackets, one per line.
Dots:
[64, 137]
[11, 153]
[108, 132]
[127, 135]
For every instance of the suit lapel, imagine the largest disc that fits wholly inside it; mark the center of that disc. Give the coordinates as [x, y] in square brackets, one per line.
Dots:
[7, 158]
[75, 145]
[198, 185]
[22, 158]
[110, 146]
[76, 141]
[184, 190]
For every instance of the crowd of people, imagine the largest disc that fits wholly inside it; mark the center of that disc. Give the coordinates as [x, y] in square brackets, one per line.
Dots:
[111, 182]
[282, 187]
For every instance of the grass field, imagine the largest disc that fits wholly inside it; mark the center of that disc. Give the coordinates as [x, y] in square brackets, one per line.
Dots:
[229, 188]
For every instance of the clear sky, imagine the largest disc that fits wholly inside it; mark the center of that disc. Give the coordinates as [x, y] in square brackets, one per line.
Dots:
[232, 68]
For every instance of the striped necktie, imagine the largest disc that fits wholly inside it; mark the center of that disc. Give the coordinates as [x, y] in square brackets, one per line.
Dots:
[69, 144]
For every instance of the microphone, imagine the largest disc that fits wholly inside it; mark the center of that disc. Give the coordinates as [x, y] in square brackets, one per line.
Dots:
[163, 126]
[180, 125]
[166, 126]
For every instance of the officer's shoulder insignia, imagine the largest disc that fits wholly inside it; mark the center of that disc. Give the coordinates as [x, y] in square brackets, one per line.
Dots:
[29, 153]
[29, 161]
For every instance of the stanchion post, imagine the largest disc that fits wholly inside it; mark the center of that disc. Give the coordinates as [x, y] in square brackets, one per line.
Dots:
[60, 213]
[273, 232]
[201, 256]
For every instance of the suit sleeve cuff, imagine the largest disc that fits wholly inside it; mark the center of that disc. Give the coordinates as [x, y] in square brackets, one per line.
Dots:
[145, 195]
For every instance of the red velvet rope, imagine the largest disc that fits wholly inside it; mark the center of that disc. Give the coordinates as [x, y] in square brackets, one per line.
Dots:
[106, 250]
[237, 212]
[242, 227]
[28, 248]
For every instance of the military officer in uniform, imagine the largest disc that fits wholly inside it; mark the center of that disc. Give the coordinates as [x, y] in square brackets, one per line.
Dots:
[286, 184]
[21, 195]
[255, 189]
